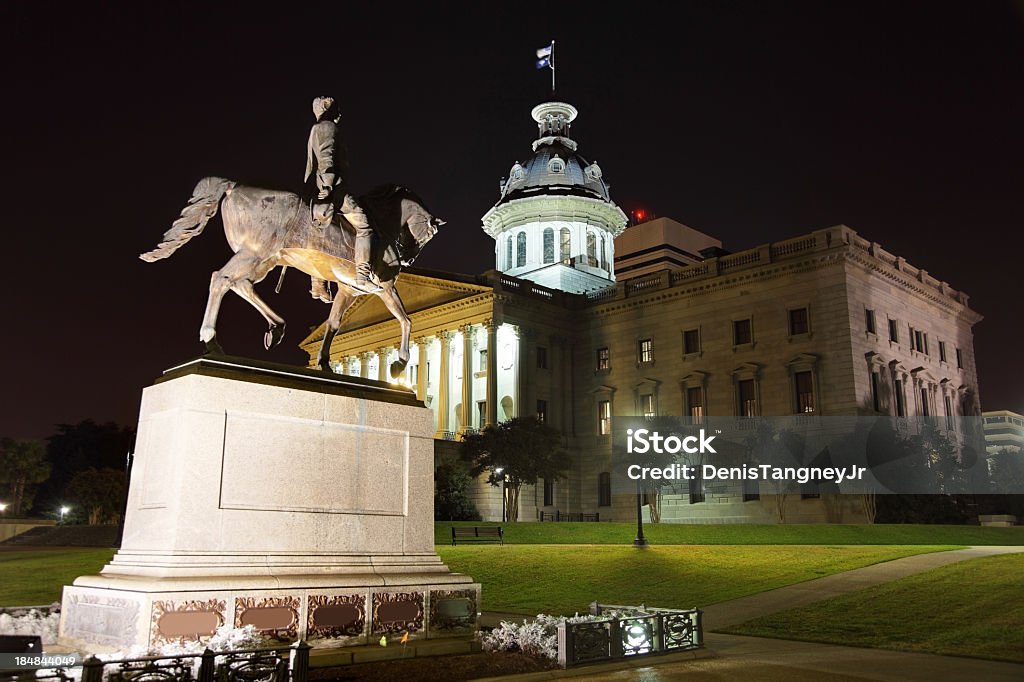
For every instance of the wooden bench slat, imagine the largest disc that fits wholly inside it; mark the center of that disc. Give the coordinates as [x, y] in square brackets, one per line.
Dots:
[478, 533]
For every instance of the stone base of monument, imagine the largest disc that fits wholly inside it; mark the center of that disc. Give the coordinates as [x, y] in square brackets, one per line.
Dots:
[292, 500]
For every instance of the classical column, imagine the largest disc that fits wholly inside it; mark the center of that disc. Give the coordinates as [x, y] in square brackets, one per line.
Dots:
[467, 375]
[443, 408]
[382, 363]
[421, 367]
[492, 373]
[524, 336]
[364, 364]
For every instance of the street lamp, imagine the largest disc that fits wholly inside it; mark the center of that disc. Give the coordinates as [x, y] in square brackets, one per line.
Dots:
[501, 470]
[3, 507]
[640, 540]
[63, 511]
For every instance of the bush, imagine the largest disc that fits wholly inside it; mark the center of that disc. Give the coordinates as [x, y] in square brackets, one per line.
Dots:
[538, 638]
[451, 494]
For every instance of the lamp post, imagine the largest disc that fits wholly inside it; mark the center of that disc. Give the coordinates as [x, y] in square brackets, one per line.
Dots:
[501, 470]
[63, 511]
[3, 508]
[639, 540]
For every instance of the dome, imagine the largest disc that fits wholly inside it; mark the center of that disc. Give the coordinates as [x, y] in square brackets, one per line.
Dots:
[555, 168]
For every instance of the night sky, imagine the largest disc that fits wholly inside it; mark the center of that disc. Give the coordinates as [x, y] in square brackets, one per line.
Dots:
[752, 122]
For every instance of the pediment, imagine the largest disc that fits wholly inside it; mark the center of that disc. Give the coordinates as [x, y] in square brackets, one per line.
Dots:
[417, 291]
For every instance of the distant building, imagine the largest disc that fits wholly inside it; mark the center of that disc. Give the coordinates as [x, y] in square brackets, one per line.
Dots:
[1003, 429]
[584, 320]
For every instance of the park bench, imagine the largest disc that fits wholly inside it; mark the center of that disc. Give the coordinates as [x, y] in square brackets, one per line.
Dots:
[478, 533]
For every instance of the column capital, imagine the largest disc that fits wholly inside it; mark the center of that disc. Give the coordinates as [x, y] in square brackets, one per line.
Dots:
[423, 339]
[446, 336]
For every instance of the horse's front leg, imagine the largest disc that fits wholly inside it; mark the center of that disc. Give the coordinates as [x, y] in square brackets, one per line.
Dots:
[244, 288]
[389, 296]
[342, 300]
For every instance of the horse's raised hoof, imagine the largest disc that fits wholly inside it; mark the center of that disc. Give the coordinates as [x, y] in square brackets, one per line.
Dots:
[273, 336]
[214, 348]
[397, 367]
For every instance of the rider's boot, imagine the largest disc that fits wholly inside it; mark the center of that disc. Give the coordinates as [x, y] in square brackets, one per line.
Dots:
[318, 290]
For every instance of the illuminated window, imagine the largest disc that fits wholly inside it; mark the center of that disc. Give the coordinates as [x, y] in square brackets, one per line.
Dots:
[592, 249]
[508, 253]
[647, 405]
[604, 254]
[645, 350]
[746, 398]
[549, 245]
[603, 359]
[695, 403]
[521, 250]
[556, 165]
[564, 244]
[604, 418]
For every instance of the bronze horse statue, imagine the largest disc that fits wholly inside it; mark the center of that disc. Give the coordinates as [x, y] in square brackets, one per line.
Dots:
[267, 228]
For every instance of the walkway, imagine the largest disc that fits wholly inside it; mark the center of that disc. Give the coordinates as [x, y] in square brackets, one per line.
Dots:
[731, 657]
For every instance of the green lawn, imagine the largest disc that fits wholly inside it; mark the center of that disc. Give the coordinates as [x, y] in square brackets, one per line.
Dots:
[35, 577]
[564, 579]
[742, 534]
[972, 608]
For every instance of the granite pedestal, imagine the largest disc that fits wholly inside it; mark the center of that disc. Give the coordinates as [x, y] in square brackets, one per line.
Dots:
[293, 500]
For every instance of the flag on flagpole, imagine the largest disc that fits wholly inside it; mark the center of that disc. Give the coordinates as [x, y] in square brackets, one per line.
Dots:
[544, 55]
[545, 51]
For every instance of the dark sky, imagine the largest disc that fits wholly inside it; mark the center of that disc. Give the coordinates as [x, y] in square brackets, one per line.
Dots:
[750, 121]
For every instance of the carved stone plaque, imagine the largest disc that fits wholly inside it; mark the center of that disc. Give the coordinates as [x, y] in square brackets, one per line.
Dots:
[336, 616]
[397, 612]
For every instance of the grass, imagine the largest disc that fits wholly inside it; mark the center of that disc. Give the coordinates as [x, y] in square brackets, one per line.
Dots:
[531, 579]
[36, 577]
[973, 608]
[742, 534]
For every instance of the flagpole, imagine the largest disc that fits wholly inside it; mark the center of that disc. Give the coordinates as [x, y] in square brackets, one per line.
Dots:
[552, 67]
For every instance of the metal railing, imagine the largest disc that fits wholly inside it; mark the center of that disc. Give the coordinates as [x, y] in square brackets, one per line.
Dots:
[282, 664]
[629, 631]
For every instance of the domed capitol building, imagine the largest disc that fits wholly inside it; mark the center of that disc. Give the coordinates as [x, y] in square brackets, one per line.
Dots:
[584, 319]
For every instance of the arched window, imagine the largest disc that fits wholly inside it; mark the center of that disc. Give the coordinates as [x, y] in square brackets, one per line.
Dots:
[565, 244]
[556, 165]
[604, 254]
[549, 245]
[508, 253]
[521, 250]
[592, 249]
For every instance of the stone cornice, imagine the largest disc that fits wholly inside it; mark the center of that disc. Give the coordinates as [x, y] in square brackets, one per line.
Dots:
[597, 212]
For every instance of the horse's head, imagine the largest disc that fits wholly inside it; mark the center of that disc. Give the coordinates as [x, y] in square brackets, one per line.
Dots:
[419, 228]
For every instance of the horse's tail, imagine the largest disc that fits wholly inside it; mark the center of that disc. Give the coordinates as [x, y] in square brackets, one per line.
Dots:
[201, 207]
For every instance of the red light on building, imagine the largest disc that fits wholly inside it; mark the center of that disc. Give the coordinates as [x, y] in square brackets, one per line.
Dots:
[639, 215]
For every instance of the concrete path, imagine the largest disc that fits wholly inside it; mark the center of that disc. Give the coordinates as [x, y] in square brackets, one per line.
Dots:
[732, 657]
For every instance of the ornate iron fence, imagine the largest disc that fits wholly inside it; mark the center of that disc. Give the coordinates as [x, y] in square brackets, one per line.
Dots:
[629, 631]
[282, 664]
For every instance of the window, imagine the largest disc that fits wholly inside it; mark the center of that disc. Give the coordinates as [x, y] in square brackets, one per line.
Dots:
[604, 254]
[549, 492]
[508, 253]
[696, 485]
[645, 350]
[549, 245]
[542, 357]
[482, 361]
[876, 398]
[751, 490]
[647, 405]
[741, 332]
[604, 418]
[804, 384]
[747, 398]
[869, 320]
[542, 411]
[924, 402]
[521, 250]
[556, 165]
[901, 408]
[695, 403]
[591, 249]
[564, 244]
[894, 332]
[798, 321]
[919, 341]
[603, 359]
[949, 412]
[942, 351]
[414, 375]
[959, 359]
[691, 341]
[604, 489]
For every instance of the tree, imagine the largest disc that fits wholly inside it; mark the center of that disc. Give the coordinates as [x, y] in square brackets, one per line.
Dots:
[100, 492]
[524, 448]
[451, 494]
[76, 447]
[650, 488]
[22, 465]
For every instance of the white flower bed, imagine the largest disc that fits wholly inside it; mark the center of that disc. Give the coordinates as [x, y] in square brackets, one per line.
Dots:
[538, 637]
[32, 622]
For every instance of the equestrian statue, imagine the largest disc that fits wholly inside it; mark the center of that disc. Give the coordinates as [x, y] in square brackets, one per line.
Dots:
[361, 243]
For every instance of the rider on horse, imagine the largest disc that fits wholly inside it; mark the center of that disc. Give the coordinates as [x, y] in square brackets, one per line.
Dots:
[327, 162]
